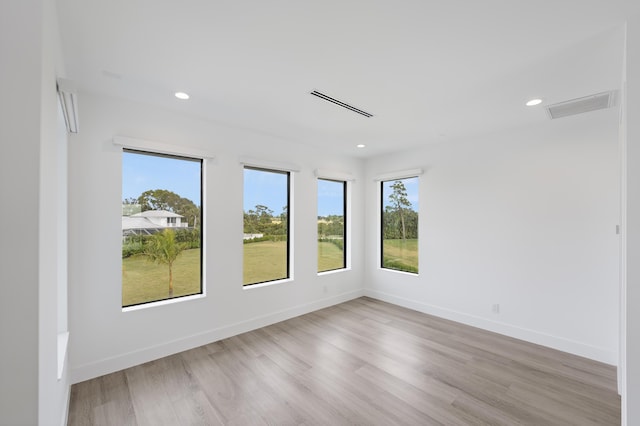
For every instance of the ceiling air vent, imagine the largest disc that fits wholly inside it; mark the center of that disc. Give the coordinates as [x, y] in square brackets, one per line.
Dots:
[578, 106]
[340, 103]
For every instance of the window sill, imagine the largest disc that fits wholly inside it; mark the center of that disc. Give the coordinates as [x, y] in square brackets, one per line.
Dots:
[267, 284]
[333, 271]
[412, 274]
[163, 302]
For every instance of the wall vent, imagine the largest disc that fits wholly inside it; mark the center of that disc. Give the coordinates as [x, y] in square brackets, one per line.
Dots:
[595, 102]
[341, 104]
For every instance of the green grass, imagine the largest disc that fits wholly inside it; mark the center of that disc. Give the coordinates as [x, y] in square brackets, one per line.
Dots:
[401, 255]
[264, 261]
[330, 256]
[144, 281]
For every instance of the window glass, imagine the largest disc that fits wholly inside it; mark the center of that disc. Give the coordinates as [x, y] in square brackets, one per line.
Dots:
[266, 226]
[161, 223]
[400, 224]
[331, 225]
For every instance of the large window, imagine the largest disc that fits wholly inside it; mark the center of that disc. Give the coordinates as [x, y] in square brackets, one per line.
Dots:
[332, 197]
[161, 224]
[399, 246]
[266, 225]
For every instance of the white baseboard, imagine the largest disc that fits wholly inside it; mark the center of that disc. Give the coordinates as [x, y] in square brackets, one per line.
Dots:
[109, 365]
[555, 342]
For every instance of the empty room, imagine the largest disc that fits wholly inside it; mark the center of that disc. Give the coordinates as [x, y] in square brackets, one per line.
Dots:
[324, 212]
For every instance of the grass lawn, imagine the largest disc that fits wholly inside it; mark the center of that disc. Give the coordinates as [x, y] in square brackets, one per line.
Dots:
[330, 256]
[400, 254]
[144, 281]
[264, 261]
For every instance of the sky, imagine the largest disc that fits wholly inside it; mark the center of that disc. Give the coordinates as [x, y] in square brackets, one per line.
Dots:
[330, 198]
[270, 189]
[142, 172]
[265, 188]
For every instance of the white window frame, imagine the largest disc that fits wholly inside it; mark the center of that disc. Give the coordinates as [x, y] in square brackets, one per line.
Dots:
[181, 151]
[275, 166]
[350, 180]
[385, 177]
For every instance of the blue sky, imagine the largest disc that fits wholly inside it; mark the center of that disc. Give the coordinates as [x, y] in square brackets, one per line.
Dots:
[144, 172]
[411, 184]
[330, 198]
[265, 188]
[141, 172]
[270, 189]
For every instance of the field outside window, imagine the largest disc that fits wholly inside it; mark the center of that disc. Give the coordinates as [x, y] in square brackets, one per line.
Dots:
[266, 226]
[331, 225]
[161, 227]
[399, 247]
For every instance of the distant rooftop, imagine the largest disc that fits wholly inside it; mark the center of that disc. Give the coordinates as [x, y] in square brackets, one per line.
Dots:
[156, 213]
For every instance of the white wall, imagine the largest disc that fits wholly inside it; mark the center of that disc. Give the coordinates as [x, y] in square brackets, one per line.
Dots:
[53, 391]
[20, 80]
[631, 392]
[30, 391]
[105, 339]
[524, 218]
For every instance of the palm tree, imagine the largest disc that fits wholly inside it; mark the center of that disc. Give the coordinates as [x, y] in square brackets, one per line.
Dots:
[162, 248]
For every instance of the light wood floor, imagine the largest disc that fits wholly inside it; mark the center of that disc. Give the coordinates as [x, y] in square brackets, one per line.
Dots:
[362, 362]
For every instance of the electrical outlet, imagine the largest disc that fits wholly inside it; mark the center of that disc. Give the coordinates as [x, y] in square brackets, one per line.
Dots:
[495, 308]
[324, 289]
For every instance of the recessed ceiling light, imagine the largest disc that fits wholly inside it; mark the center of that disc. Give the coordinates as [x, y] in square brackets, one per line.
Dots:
[360, 145]
[534, 102]
[182, 95]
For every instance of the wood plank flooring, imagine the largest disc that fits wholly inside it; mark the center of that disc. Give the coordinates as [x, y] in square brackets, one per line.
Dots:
[363, 362]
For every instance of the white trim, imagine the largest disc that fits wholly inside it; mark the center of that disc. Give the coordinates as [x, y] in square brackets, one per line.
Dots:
[622, 321]
[68, 96]
[347, 236]
[159, 147]
[402, 174]
[532, 336]
[162, 147]
[398, 271]
[268, 164]
[163, 302]
[333, 271]
[349, 224]
[266, 283]
[65, 412]
[120, 362]
[333, 175]
[63, 343]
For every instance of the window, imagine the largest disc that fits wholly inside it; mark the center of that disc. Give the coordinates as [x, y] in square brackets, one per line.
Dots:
[399, 247]
[332, 200]
[161, 227]
[266, 225]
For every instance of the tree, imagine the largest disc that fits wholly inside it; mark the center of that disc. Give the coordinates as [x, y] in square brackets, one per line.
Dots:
[250, 222]
[265, 216]
[162, 199]
[162, 248]
[400, 203]
[130, 201]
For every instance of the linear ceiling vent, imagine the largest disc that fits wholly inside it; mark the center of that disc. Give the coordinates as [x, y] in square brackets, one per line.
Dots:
[578, 106]
[340, 103]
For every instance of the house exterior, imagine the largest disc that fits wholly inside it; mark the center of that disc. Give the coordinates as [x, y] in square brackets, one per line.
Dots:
[151, 221]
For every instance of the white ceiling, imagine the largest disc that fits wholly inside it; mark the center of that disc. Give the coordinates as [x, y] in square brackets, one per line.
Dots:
[429, 71]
